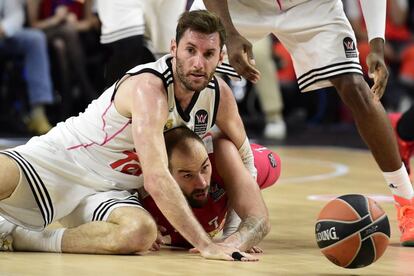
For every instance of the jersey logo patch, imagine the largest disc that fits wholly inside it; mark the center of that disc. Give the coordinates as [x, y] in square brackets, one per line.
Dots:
[216, 192]
[201, 120]
[272, 160]
[350, 48]
[168, 124]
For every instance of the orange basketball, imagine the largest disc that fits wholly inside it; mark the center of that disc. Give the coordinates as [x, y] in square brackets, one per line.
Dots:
[352, 231]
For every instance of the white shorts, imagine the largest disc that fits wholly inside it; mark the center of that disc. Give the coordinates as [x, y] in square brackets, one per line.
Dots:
[316, 33]
[51, 187]
[160, 29]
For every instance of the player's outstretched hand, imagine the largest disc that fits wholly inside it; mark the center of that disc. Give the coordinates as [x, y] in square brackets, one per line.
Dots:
[240, 54]
[217, 252]
[378, 71]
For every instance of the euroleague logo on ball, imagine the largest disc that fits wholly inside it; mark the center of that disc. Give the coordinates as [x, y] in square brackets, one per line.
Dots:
[326, 235]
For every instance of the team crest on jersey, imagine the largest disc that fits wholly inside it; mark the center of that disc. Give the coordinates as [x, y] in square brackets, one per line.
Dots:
[216, 191]
[350, 48]
[201, 121]
[168, 124]
[272, 160]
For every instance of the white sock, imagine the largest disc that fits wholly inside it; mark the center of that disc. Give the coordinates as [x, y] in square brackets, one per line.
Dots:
[44, 241]
[399, 183]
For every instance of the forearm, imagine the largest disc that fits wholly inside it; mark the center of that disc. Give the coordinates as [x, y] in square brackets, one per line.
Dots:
[247, 157]
[46, 23]
[251, 231]
[83, 25]
[244, 197]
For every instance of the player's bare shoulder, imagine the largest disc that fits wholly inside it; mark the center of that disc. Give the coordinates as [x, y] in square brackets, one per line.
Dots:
[225, 90]
[142, 85]
[226, 94]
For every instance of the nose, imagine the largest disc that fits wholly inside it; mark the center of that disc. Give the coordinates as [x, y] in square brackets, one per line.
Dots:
[201, 182]
[198, 61]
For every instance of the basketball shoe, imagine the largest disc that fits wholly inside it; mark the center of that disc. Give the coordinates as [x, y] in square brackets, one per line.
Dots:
[405, 217]
[406, 148]
[275, 130]
[6, 239]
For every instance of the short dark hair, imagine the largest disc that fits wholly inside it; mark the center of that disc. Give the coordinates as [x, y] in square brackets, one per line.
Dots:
[201, 21]
[177, 138]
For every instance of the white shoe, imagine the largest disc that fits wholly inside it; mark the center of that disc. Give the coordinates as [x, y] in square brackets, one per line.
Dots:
[6, 239]
[275, 130]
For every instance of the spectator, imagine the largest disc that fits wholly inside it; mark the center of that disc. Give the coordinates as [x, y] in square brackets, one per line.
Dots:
[268, 90]
[61, 20]
[31, 44]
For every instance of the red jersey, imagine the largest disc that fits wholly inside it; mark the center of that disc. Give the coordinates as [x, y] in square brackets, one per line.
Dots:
[48, 7]
[212, 215]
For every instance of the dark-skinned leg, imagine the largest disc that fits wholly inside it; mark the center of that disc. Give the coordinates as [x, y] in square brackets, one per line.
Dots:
[370, 119]
[375, 128]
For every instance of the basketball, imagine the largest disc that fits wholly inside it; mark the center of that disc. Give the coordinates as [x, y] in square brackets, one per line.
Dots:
[352, 231]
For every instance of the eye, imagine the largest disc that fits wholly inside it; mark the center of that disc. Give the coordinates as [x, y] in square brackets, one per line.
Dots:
[188, 176]
[190, 50]
[209, 55]
[205, 167]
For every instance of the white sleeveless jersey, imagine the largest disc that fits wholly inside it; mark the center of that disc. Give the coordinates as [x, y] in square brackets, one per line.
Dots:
[100, 139]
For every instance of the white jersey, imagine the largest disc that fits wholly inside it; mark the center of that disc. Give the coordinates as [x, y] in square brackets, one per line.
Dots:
[100, 139]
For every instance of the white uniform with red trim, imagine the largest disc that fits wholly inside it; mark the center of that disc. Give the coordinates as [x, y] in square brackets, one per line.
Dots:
[316, 33]
[94, 152]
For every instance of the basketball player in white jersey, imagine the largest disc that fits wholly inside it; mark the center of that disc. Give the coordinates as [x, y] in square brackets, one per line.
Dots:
[322, 44]
[84, 170]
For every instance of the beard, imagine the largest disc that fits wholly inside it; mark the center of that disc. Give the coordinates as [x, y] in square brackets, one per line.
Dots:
[187, 82]
[197, 203]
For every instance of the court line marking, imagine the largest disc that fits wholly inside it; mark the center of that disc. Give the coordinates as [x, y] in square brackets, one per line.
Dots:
[338, 170]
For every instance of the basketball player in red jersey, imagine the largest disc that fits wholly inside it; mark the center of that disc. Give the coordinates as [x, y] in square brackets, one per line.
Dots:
[322, 44]
[204, 181]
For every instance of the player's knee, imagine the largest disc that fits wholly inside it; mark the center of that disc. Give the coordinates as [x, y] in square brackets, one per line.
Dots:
[355, 93]
[135, 236]
[274, 171]
[9, 176]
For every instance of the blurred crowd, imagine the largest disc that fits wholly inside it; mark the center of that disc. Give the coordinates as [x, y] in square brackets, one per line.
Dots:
[58, 55]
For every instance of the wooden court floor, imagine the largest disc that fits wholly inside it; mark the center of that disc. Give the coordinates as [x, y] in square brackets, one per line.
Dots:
[310, 176]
